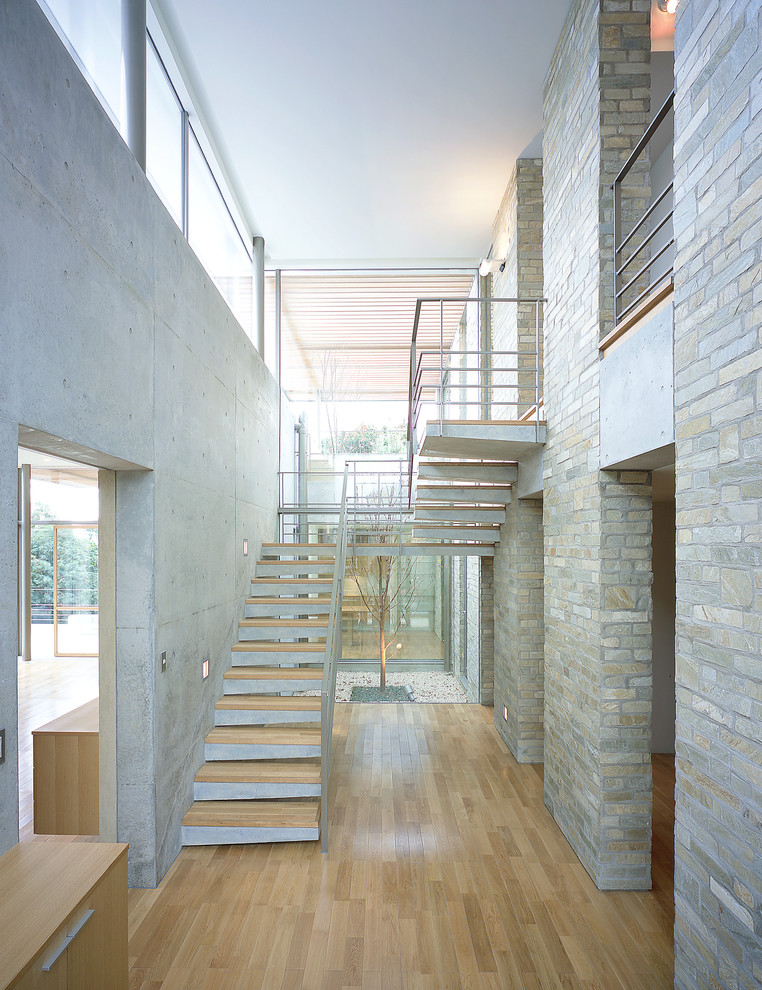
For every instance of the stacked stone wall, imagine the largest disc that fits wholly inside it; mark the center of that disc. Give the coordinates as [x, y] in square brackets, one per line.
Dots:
[457, 604]
[597, 527]
[517, 236]
[473, 628]
[519, 631]
[486, 630]
[718, 424]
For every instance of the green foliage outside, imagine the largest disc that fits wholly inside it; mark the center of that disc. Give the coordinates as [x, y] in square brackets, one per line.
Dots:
[77, 563]
[366, 439]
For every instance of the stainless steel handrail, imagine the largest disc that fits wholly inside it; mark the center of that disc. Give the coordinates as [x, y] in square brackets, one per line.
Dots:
[331, 663]
[623, 283]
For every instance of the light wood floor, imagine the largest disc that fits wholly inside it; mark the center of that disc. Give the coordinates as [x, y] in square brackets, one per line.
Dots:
[444, 871]
[47, 689]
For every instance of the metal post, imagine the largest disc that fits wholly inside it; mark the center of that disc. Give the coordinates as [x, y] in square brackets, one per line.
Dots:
[481, 289]
[134, 77]
[185, 173]
[278, 370]
[25, 562]
[258, 245]
[537, 369]
[617, 235]
[302, 428]
[441, 365]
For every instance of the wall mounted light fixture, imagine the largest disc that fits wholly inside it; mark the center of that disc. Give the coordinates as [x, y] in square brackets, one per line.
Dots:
[489, 266]
[667, 6]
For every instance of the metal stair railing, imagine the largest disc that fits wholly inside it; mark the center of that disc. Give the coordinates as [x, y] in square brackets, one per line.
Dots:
[502, 379]
[651, 236]
[332, 658]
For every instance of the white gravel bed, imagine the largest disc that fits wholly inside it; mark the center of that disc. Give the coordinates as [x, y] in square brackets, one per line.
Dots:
[428, 686]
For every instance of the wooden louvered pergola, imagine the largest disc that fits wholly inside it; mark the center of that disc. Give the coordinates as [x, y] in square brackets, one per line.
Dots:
[357, 325]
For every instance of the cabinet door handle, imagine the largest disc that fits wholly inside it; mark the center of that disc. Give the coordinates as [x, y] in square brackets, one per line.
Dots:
[68, 939]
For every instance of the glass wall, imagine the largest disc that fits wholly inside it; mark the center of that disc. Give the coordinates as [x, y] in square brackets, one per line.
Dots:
[64, 562]
[94, 32]
[164, 137]
[214, 236]
[413, 621]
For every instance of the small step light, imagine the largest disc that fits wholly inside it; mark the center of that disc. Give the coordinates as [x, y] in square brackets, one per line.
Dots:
[204, 669]
[505, 713]
[246, 548]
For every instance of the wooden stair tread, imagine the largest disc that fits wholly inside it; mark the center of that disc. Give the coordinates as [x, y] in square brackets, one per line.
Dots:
[274, 674]
[305, 771]
[268, 646]
[254, 814]
[265, 735]
[260, 702]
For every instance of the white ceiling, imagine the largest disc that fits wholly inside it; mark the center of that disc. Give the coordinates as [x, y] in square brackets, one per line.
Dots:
[362, 131]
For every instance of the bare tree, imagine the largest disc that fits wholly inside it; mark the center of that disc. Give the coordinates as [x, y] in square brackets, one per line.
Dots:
[335, 387]
[387, 586]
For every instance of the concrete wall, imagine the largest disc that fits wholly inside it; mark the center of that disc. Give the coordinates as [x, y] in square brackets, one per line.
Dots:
[597, 524]
[718, 423]
[113, 337]
[637, 396]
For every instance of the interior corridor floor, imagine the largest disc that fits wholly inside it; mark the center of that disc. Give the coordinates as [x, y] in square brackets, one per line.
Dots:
[444, 870]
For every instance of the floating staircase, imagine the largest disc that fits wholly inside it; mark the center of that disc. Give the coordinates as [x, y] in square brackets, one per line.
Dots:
[261, 778]
[462, 501]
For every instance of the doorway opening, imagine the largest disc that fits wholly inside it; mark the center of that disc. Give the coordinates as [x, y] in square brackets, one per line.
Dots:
[58, 653]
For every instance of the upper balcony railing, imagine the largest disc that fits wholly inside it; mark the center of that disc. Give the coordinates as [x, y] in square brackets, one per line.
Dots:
[644, 253]
[458, 381]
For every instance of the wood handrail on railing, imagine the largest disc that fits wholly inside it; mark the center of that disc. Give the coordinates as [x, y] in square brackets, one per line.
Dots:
[330, 666]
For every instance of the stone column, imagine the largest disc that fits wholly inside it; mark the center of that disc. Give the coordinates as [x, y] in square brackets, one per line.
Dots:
[519, 626]
[517, 237]
[718, 424]
[596, 527]
[486, 631]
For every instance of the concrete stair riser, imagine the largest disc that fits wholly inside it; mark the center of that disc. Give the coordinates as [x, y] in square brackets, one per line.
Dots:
[295, 568]
[250, 656]
[433, 513]
[269, 686]
[480, 534]
[280, 632]
[473, 495]
[214, 835]
[256, 751]
[285, 609]
[272, 587]
[230, 791]
[494, 473]
[265, 717]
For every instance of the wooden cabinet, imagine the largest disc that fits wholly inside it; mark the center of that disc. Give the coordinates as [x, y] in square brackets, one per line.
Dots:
[63, 915]
[66, 773]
